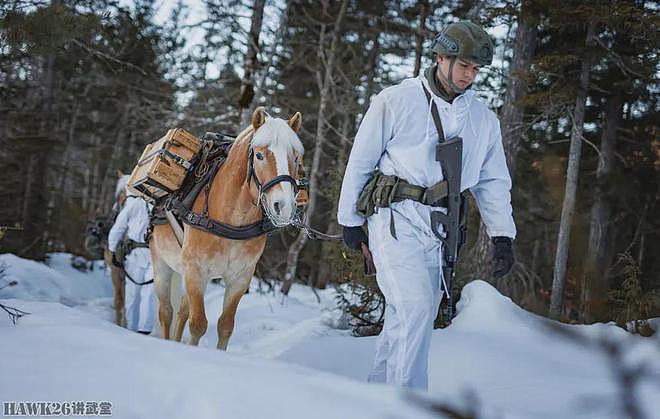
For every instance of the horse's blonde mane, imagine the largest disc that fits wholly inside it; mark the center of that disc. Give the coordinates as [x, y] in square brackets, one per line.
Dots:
[237, 157]
[283, 135]
[121, 185]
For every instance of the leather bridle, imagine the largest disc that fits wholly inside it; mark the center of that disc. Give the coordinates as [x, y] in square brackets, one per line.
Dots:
[263, 188]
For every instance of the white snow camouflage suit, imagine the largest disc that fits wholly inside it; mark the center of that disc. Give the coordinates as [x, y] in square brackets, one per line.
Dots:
[140, 300]
[397, 135]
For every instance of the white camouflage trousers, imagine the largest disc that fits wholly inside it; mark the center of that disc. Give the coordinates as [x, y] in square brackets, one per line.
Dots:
[140, 300]
[409, 275]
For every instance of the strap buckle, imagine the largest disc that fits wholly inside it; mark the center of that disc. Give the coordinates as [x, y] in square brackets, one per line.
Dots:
[425, 196]
[192, 218]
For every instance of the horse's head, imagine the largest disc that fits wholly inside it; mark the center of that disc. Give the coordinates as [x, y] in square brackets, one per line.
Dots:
[121, 189]
[274, 155]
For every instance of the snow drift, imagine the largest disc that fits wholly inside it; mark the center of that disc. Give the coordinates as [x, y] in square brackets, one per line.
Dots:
[286, 360]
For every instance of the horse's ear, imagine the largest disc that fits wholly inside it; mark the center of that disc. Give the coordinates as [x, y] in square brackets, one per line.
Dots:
[296, 122]
[258, 118]
[120, 173]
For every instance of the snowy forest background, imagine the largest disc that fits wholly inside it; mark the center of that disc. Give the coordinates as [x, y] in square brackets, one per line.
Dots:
[85, 85]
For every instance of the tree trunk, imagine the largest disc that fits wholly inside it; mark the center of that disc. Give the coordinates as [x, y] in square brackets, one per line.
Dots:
[572, 173]
[419, 36]
[372, 65]
[251, 63]
[596, 284]
[27, 194]
[108, 180]
[511, 120]
[348, 125]
[332, 227]
[269, 59]
[325, 85]
[63, 188]
[50, 128]
[513, 109]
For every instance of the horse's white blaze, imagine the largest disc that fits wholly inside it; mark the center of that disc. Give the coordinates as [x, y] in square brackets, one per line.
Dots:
[283, 193]
[281, 141]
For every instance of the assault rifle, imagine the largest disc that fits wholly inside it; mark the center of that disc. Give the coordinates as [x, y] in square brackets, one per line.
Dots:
[454, 223]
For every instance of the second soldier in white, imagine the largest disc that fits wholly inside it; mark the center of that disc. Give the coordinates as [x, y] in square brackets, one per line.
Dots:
[129, 230]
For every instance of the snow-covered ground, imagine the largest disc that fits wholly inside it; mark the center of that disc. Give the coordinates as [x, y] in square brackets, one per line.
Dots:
[287, 358]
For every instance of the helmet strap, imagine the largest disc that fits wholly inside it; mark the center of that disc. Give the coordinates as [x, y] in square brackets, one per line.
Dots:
[447, 79]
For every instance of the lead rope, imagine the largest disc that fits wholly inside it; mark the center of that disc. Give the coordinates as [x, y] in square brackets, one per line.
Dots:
[315, 234]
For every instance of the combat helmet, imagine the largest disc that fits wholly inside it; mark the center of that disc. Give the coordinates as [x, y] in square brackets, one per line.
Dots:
[466, 41]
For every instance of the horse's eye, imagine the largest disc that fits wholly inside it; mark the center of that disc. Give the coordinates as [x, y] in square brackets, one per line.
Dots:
[260, 156]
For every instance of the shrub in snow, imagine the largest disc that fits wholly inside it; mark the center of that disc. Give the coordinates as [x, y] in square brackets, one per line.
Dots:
[630, 304]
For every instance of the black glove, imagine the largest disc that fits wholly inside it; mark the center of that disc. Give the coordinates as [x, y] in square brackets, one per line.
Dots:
[115, 262]
[353, 236]
[502, 256]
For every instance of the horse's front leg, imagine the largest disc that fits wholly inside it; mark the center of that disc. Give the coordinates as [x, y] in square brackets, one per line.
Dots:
[118, 283]
[195, 288]
[234, 289]
[182, 318]
[117, 277]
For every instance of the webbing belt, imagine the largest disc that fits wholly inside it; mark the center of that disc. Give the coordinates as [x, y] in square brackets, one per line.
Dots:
[434, 195]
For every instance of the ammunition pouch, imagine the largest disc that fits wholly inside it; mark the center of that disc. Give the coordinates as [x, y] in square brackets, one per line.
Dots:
[125, 248]
[383, 190]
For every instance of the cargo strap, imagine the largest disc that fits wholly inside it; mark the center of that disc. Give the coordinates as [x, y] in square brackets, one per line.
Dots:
[165, 152]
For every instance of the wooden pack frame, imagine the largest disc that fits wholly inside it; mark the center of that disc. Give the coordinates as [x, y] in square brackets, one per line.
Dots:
[164, 164]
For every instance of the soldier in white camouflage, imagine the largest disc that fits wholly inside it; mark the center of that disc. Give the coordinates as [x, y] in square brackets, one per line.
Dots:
[397, 138]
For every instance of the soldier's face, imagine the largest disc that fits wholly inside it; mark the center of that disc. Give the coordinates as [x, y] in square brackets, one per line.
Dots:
[463, 73]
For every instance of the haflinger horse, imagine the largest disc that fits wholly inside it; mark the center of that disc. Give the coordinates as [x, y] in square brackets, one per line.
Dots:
[255, 181]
